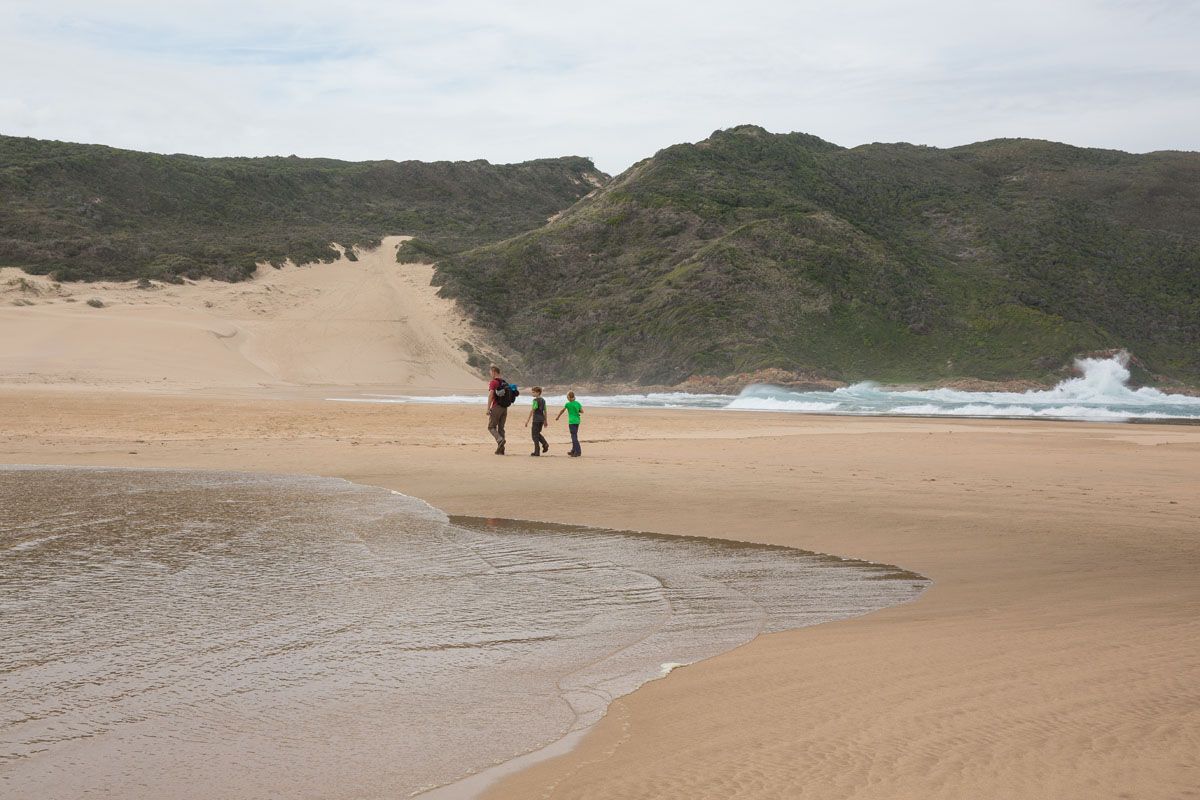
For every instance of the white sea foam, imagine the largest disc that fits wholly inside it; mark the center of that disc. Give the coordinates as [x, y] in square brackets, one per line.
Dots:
[982, 410]
[1101, 392]
[781, 404]
[650, 400]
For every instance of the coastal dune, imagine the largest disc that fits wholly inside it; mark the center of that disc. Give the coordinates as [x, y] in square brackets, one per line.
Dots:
[367, 322]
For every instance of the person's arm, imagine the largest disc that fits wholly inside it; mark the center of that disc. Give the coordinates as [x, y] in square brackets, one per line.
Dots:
[531, 408]
[560, 413]
[491, 399]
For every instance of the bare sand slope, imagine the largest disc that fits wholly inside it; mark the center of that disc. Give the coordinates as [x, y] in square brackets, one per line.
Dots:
[1056, 657]
[370, 322]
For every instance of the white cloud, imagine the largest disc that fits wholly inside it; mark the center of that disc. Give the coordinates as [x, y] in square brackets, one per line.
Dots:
[517, 80]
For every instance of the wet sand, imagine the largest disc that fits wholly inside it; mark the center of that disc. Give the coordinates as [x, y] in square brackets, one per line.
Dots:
[190, 634]
[1057, 654]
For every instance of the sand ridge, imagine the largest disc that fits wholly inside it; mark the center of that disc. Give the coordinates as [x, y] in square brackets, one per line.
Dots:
[370, 322]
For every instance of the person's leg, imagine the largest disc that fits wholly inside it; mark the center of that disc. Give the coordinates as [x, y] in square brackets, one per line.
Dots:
[496, 417]
[541, 439]
[537, 436]
[575, 439]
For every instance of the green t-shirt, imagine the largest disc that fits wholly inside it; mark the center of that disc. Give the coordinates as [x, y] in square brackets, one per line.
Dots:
[573, 411]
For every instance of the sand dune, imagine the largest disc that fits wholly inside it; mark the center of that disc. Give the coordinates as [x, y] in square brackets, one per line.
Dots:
[370, 322]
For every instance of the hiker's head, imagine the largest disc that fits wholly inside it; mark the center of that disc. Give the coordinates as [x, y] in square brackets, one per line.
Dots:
[495, 371]
[537, 391]
[570, 395]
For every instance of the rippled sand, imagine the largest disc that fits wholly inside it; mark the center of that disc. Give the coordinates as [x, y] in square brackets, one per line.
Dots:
[174, 634]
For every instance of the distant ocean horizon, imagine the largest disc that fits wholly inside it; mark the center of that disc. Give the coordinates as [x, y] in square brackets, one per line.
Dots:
[1100, 394]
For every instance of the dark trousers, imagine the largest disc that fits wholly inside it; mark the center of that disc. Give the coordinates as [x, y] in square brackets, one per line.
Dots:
[575, 439]
[538, 439]
[497, 415]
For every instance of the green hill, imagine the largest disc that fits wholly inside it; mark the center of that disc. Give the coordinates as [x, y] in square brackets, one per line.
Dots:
[85, 212]
[753, 250]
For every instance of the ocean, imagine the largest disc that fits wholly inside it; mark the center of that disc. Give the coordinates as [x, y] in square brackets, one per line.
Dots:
[181, 634]
[1101, 393]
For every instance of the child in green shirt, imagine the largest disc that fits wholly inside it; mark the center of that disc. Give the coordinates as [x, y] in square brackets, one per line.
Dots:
[573, 410]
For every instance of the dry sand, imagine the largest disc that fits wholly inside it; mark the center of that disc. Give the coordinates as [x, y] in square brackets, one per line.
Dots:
[1056, 656]
[370, 323]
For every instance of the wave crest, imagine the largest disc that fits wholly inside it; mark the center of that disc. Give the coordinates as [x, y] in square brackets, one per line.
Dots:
[1101, 392]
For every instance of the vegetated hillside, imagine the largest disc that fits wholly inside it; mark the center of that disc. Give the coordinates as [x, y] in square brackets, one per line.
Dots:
[86, 212]
[753, 250]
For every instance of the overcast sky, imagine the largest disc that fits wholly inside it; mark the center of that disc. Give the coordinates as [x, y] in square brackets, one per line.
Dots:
[614, 80]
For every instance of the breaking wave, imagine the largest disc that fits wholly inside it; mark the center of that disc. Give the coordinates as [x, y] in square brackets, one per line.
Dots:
[1100, 393]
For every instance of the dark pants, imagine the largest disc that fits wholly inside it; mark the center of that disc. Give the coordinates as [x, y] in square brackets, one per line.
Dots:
[497, 415]
[575, 439]
[539, 422]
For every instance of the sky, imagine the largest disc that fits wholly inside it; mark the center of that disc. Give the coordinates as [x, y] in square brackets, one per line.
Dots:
[614, 80]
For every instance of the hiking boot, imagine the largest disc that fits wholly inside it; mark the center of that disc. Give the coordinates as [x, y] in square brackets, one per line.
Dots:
[500, 450]
[535, 453]
[545, 448]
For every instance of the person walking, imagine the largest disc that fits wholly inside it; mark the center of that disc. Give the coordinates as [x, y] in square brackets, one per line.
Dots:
[537, 415]
[499, 399]
[573, 411]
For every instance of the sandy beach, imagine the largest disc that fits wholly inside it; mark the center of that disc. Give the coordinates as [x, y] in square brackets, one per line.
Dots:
[1057, 654]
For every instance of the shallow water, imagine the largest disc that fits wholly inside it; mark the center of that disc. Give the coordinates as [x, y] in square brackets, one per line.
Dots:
[172, 634]
[1102, 393]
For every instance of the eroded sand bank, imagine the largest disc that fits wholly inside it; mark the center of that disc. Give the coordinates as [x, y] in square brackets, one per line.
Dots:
[370, 322]
[1056, 656]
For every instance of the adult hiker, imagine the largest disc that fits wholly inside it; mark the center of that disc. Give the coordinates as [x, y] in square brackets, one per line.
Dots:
[501, 394]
